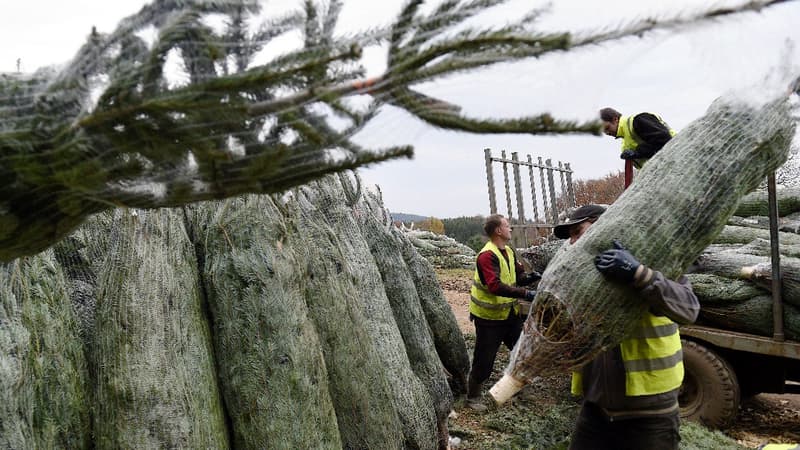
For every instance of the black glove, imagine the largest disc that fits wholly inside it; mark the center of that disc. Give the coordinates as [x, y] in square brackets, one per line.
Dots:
[530, 294]
[617, 263]
[532, 277]
[629, 154]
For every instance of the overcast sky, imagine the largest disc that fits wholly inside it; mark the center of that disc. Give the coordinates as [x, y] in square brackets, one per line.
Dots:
[675, 74]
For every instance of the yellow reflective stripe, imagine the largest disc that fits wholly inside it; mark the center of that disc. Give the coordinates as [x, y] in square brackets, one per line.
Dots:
[632, 132]
[495, 306]
[652, 348]
[651, 364]
[653, 382]
[577, 384]
[652, 356]
[654, 332]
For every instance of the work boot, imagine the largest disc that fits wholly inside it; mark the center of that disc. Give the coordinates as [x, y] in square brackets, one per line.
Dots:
[476, 404]
[474, 399]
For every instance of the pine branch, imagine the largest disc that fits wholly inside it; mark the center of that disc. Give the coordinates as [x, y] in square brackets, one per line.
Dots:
[189, 117]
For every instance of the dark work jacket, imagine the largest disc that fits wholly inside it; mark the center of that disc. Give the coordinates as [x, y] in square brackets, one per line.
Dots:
[604, 377]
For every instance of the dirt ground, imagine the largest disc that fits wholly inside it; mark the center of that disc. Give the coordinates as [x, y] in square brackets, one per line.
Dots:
[763, 418]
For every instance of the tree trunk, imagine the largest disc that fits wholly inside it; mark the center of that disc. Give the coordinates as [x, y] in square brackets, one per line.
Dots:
[727, 264]
[666, 218]
[790, 278]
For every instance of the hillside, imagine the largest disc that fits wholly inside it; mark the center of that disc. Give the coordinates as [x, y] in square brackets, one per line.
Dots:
[405, 217]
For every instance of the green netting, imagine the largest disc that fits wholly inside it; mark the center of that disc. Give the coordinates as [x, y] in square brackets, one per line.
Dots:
[44, 389]
[254, 322]
[742, 235]
[410, 395]
[681, 199]
[753, 316]
[154, 379]
[271, 368]
[17, 394]
[711, 288]
[447, 336]
[762, 247]
[359, 381]
[385, 244]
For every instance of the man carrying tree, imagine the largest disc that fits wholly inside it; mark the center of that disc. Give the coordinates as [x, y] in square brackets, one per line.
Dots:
[643, 134]
[630, 391]
[493, 306]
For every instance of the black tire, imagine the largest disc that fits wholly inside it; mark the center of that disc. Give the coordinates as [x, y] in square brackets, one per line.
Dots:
[710, 391]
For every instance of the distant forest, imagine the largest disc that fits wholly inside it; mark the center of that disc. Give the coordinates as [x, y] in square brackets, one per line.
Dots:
[467, 230]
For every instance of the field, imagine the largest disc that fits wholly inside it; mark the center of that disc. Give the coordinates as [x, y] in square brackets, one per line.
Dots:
[541, 416]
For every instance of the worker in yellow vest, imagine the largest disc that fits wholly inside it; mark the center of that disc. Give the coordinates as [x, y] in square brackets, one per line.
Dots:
[493, 307]
[630, 391]
[779, 446]
[643, 135]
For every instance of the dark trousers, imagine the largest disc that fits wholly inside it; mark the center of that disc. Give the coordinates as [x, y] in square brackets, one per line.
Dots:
[489, 334]
[594, 431]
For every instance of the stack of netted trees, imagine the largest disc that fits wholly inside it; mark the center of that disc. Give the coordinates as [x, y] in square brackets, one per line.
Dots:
[441, 250]
[733, 277]
[307, 321]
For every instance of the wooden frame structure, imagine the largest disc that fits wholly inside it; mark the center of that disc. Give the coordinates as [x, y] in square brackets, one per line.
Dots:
[546, 206]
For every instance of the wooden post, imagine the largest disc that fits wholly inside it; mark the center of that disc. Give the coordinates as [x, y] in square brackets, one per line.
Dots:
[518, 188]
[533, 189]
[508, 188]
[547, 214]
[777, 285]
[564, 193]
[551, 183]
[487, 153]
[570, 187]
[523, 242]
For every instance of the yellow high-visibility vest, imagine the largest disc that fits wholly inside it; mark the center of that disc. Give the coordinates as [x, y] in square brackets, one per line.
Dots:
[652, 356]
[630, 140]
[483, 303]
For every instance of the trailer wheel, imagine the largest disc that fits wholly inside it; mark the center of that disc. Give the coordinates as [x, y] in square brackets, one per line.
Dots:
[710, 390]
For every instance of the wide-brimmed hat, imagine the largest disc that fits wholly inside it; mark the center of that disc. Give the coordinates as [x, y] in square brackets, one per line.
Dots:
[581, 214]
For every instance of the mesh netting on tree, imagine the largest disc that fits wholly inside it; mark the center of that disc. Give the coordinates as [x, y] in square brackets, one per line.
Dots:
[681, 199]
[301, 321]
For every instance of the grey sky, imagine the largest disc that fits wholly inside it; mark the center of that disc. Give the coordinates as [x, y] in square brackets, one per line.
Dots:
[676, 74]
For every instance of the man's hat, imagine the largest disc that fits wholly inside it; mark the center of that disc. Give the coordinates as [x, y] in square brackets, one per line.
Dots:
[581, 214]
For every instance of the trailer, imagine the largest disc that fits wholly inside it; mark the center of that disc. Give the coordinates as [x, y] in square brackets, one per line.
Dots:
[723, 366]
